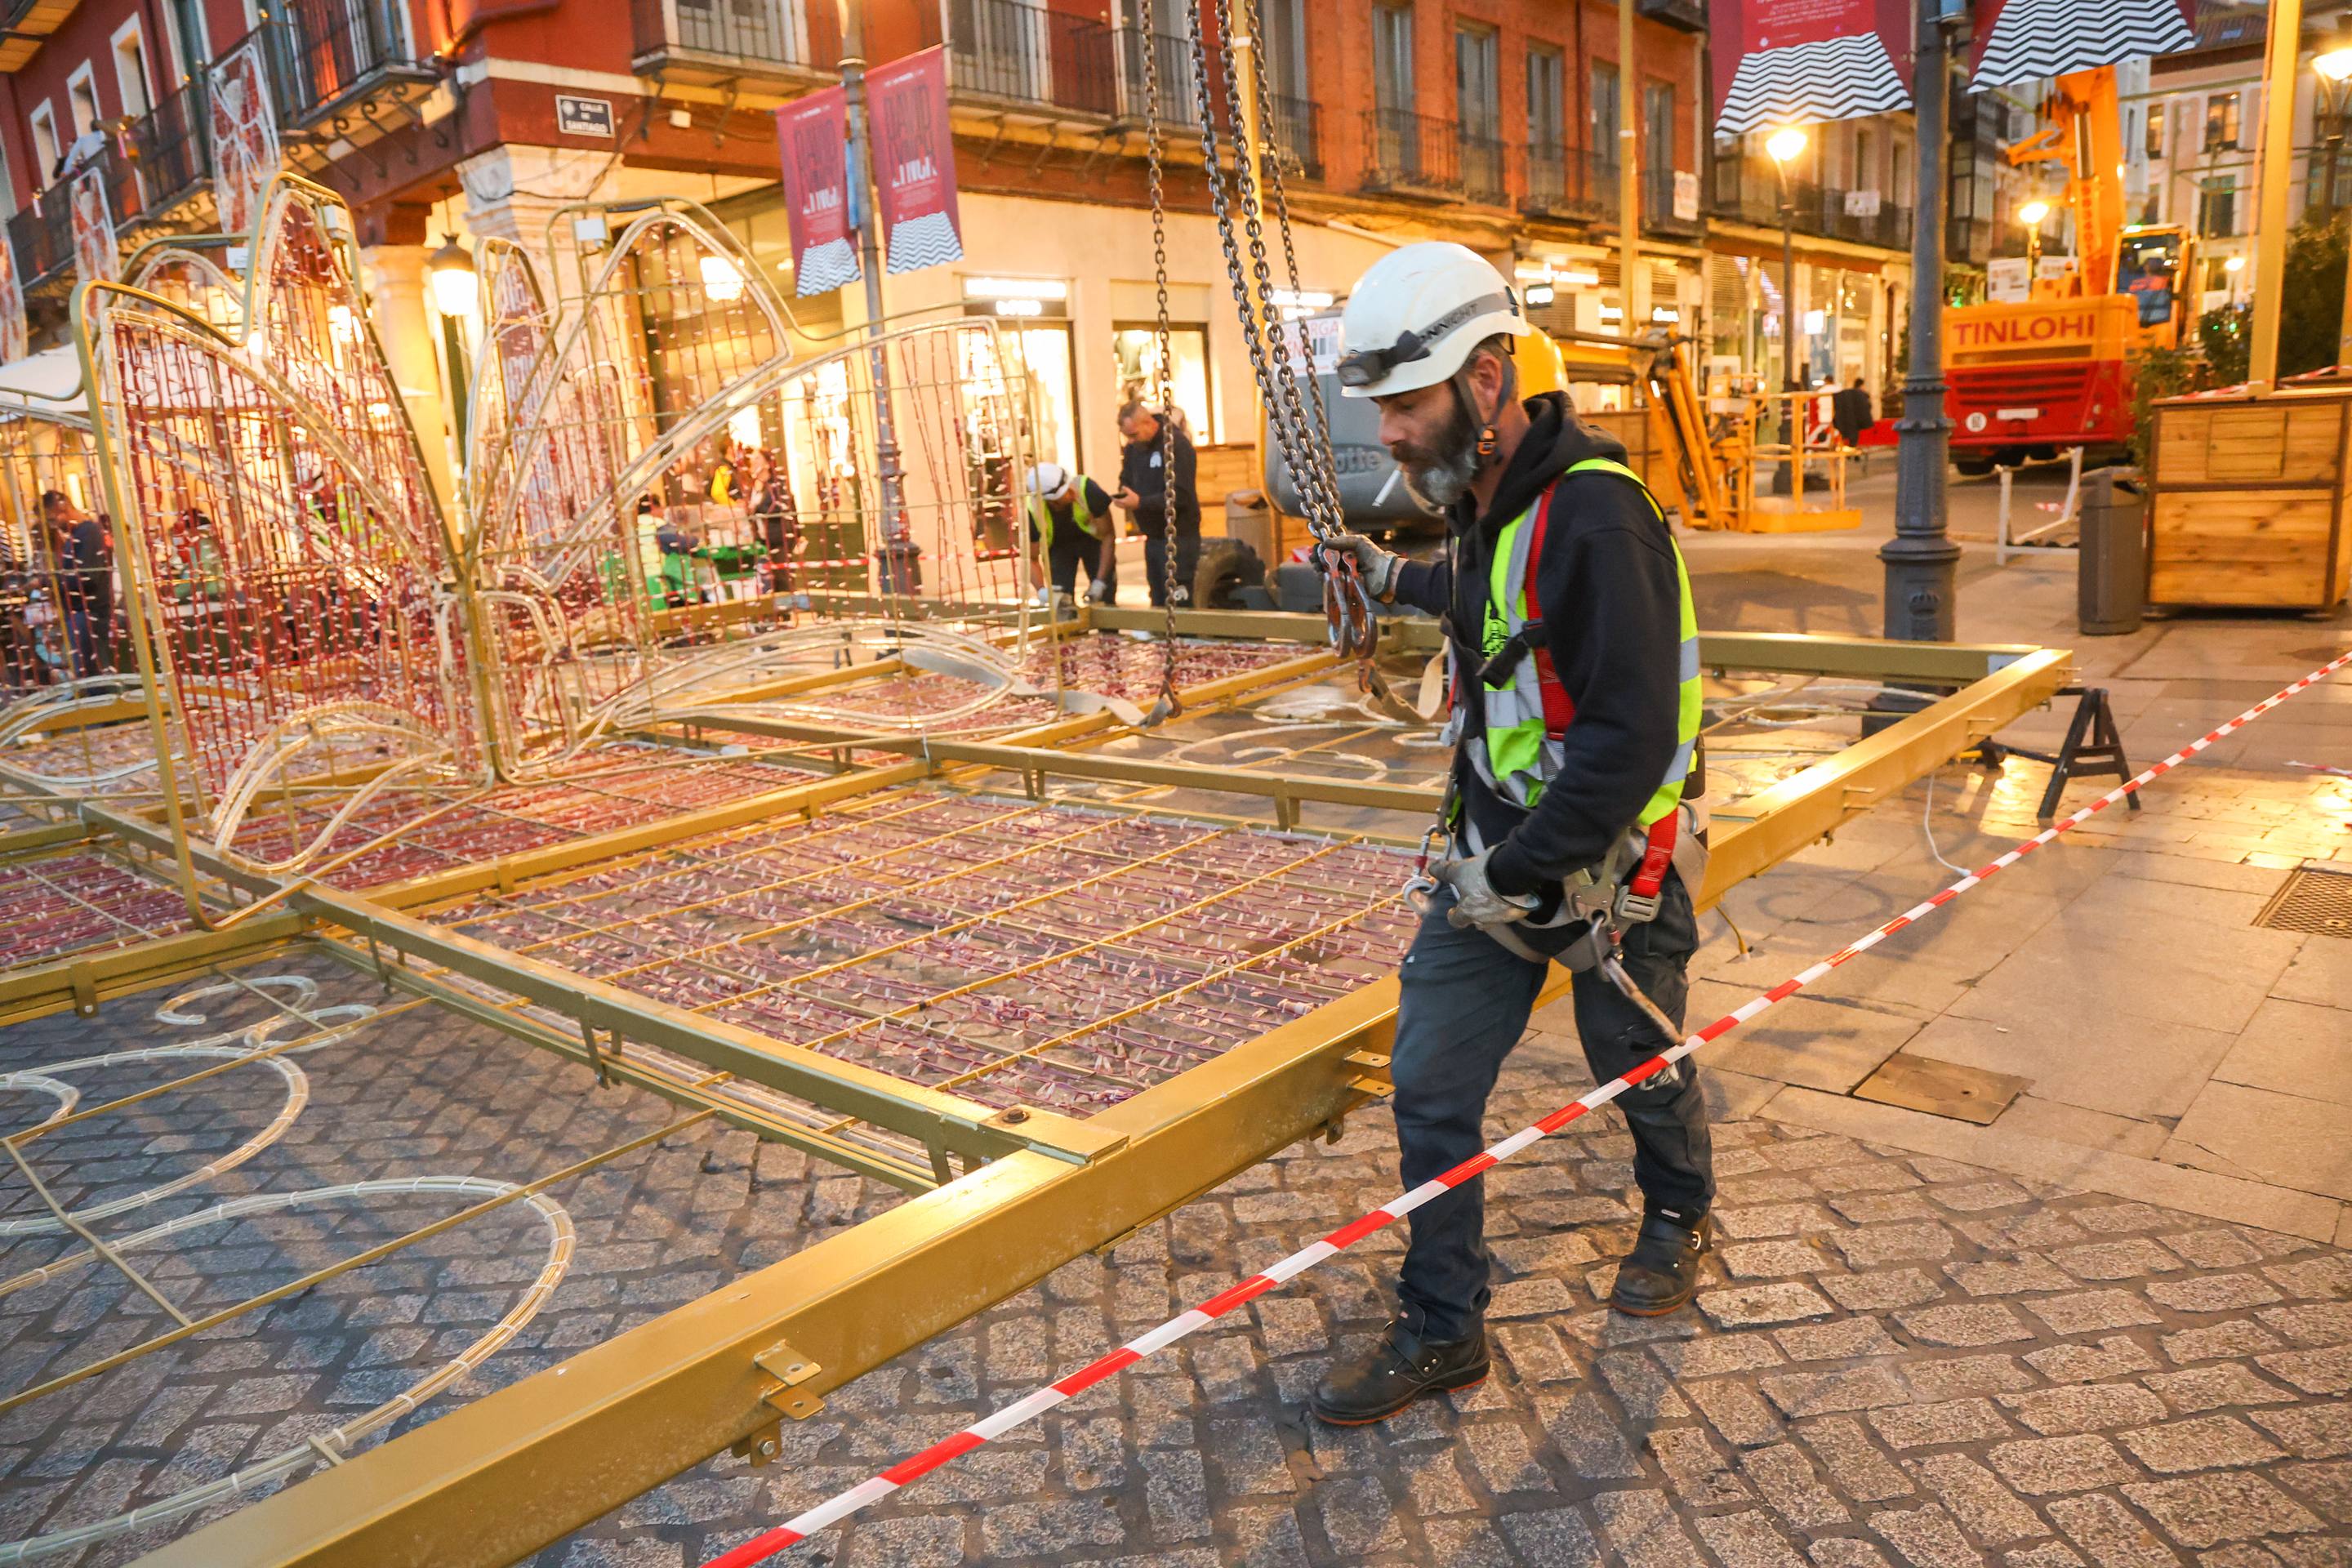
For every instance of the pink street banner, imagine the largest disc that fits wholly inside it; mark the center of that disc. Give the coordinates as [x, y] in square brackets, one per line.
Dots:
[2021, 40]
[16, 334]
[96, 255]
[914, 161]
[813, 135]
[1791, 62]
[245, 136]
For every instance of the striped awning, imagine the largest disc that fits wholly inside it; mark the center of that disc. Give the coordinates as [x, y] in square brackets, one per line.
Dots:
[2022, 40]
[1835, 78]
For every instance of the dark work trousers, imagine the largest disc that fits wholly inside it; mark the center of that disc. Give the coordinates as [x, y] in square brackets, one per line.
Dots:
[1075, 549]
[1188, 562]
[1464, 1003]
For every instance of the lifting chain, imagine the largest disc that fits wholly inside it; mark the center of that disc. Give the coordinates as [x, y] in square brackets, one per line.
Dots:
[1304, 440]
[1169, 705]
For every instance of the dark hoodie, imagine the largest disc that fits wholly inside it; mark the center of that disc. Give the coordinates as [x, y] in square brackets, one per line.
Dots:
[1606, 589]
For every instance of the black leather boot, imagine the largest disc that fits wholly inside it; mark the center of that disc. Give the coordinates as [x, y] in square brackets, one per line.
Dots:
[1403, 1367]
[1662, 1271]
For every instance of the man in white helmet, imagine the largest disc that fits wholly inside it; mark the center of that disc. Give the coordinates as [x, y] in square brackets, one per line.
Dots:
[1070, 526]
[1570, 817]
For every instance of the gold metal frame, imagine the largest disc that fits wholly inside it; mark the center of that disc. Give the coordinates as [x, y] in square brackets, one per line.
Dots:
[506, 1475]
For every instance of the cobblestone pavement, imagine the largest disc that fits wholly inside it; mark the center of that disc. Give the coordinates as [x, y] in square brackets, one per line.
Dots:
[1896, 1361]
[415, 1094]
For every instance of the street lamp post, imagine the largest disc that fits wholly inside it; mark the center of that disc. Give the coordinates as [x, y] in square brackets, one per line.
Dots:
[1921, 561]
[1783, 145]
[2335, 69]
[2031, 215]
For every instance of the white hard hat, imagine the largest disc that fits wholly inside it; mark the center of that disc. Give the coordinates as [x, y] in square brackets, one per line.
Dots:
[1416, 314]
[1048, 479]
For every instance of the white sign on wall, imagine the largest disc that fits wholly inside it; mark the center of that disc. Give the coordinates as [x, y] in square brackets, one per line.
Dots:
[1686, 197]
[1862, 203]
[2008, 279]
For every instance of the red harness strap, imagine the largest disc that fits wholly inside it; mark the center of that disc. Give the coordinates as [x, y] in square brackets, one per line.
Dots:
[1657, 856]
[1558, 707]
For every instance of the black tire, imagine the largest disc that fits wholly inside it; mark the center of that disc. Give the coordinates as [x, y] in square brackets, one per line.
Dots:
[1226, 565]
[1973, 467]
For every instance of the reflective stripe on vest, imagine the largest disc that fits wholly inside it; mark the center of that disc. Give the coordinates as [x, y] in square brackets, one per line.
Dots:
[1520, 751]
[1041, 516]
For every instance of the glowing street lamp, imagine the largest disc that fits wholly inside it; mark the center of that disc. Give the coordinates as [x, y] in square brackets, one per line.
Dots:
[451, 272]
[2031, 215]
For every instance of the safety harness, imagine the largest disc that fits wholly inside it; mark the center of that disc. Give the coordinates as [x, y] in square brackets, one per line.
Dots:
[1519, 748]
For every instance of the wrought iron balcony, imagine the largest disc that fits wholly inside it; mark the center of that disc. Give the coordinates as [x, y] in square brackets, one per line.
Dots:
[1479, 156]
[730, 40]
[332, 57]
[169, 152]
[1022, 54]
[1297, 133]
[152, 170]
[1689, 15]
[1569, 183]
[1658, 204]
[1172, 56]
[1750, 192]
[1411, 155]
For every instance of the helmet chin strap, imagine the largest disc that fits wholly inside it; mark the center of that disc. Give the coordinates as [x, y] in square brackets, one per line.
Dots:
[1489, 442]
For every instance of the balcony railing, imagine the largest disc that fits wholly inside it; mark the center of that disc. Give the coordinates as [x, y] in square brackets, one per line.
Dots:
[326, 54]
[1480, 159]
[1006, 49]
[1658, 204]
[1172, 56]
[158, 163]
[41, 234]
[1297, 134]
[170, 150]
[731, 37]
[1411, 155]
[1569, 183]
[1751, 193]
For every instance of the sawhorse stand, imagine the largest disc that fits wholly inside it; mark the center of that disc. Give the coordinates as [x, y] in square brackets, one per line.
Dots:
[2092, 745]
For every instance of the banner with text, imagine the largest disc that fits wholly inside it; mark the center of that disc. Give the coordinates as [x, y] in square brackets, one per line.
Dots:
[1791, 62]
[245, 136]
[914, 161]
[813, 133]
[2019, 40]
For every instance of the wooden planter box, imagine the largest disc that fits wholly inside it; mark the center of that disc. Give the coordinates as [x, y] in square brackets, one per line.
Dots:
[2249, 500]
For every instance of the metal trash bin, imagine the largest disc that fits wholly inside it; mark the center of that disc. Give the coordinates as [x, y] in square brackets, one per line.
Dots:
[2111, 571]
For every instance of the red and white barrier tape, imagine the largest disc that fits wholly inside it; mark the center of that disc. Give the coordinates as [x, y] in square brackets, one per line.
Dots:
[761, 1547]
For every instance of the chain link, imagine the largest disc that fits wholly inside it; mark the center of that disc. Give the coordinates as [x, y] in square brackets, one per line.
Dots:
[1303, 439]
[1163, 398]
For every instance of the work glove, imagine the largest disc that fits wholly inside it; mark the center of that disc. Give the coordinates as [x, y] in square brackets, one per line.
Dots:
[1377, 567]
[1476, 900]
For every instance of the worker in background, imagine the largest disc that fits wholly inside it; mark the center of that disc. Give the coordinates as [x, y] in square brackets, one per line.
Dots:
[84, 554]
[1852, 411]
[1070, 527]
[1574, 681]
[1148, 490]
[667, 552]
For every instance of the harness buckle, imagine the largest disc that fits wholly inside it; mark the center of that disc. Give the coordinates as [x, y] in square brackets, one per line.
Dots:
[1497, 672]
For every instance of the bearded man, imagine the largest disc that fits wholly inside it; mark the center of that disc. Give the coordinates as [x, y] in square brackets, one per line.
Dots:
[1572, 821]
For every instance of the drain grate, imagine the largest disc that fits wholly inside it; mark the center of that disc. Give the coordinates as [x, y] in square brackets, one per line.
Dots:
[2311, 900]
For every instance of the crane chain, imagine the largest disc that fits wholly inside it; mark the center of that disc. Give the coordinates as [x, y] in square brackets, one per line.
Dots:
[1170, 704]
[1305, 445]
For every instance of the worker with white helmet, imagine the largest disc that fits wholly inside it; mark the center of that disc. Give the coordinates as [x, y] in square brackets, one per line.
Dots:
[1571, 826]
[1070, 526]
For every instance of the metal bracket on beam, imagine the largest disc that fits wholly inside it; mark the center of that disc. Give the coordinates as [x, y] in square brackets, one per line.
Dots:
[1049, 1132]
[84, 981]
[1374, 1077]
[791, 1369]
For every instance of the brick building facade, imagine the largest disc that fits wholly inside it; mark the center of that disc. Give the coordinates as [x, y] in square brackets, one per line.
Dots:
[1490, 121]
